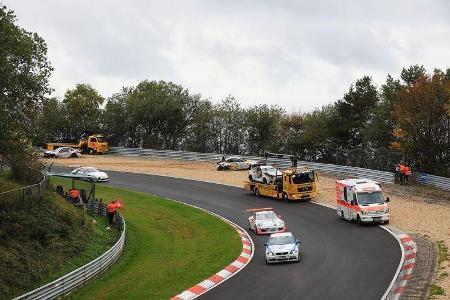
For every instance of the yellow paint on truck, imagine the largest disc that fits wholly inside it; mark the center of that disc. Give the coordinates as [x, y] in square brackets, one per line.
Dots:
[293, 185]
[92, 144]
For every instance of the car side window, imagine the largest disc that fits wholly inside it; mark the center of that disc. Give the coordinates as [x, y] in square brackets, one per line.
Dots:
[345, 194]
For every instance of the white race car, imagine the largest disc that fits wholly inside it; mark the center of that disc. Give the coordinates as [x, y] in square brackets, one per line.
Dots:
[282, 247]
[91, 171]
[265, 221]
[235, 163]
[62, 152]
[263, 174]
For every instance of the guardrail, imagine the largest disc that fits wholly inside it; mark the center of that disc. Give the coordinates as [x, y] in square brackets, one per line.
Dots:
[74, 279]
[337, 170]
[380, 176]
[34, 191]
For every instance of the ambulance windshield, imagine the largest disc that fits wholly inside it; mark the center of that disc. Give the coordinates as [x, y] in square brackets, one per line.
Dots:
[370, 198]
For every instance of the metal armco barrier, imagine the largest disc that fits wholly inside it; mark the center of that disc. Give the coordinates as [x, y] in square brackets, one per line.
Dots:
[74, 279]
[337, 170]
[437, 181]
[380, 176]
[34, 191]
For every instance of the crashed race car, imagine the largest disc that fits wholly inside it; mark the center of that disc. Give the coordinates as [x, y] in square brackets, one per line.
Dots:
[62, 152]
[264, 173]
[235, 163]
[265, 221]
[282, 247]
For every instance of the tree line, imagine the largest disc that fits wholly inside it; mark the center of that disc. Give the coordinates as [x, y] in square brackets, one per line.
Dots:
[374, 127]
[369, 126]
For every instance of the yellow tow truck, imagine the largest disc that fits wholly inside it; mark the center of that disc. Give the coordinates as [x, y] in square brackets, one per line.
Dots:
[89, 143]
[295, 183]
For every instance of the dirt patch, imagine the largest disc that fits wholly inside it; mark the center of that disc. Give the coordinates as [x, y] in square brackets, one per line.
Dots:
[415, 209]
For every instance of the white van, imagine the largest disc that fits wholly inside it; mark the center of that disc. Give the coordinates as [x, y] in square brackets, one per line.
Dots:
[361, 200]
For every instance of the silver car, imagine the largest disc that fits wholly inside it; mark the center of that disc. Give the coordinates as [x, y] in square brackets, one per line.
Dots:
[282, 247]
[263, 174]
[93, 172]
[62, 152]
[235, 163]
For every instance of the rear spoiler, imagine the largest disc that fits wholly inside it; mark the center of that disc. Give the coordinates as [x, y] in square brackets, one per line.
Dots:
[259, 209]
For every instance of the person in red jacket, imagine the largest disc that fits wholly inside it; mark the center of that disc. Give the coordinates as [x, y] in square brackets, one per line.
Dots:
[111, 210]
[406, 173]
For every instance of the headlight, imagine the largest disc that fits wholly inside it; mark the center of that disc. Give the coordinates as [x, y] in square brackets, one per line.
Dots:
[269, 253]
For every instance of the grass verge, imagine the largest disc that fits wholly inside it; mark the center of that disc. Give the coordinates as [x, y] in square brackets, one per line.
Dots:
[436, 289]
[169, 247]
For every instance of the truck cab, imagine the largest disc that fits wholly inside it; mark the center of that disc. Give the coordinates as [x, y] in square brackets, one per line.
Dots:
[361, 200]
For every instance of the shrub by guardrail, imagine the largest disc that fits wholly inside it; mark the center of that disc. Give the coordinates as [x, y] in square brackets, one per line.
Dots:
[78, 277]
[338, 170]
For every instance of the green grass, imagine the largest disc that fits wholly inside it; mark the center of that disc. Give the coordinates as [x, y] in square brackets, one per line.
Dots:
[443, 252]
[436, 290]
[7, 183]
[169, 247]
[43, 239]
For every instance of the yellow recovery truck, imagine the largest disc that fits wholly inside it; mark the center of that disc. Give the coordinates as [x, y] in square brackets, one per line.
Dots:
[89, 143]
[294, 183]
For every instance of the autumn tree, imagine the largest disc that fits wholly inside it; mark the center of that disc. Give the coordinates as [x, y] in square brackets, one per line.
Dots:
[422, 112]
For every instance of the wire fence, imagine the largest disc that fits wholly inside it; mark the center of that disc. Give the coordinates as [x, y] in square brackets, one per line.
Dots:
[34, 191]
[333, 169]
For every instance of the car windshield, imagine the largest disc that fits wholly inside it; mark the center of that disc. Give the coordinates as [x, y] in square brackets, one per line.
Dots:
[265, 215]
[281, 240]
[91, 170]
[268, 169]
[370, 198]
[299, 178]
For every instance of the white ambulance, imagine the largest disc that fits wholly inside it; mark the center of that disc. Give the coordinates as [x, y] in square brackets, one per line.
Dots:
[361, 200]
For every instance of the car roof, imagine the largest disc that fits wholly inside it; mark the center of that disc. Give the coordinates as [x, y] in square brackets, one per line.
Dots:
[281, 234]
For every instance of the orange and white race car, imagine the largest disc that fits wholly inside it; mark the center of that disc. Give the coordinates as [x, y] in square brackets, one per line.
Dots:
[265, 221]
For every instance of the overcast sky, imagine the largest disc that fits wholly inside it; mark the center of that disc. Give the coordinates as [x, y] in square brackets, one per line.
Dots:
[297, 54]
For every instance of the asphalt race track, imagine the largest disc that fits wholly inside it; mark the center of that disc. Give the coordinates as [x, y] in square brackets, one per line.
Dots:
[341, 260]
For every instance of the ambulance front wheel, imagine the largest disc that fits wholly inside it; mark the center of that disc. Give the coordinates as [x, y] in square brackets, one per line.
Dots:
[358, 220]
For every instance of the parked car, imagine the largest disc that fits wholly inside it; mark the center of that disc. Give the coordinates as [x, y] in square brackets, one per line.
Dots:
[91, 171]
[265, 221]
[263, 173]
[62, 152]
[282, 247]
[235, 163]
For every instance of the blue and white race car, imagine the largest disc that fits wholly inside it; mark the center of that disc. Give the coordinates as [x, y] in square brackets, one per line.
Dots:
[282, 247]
